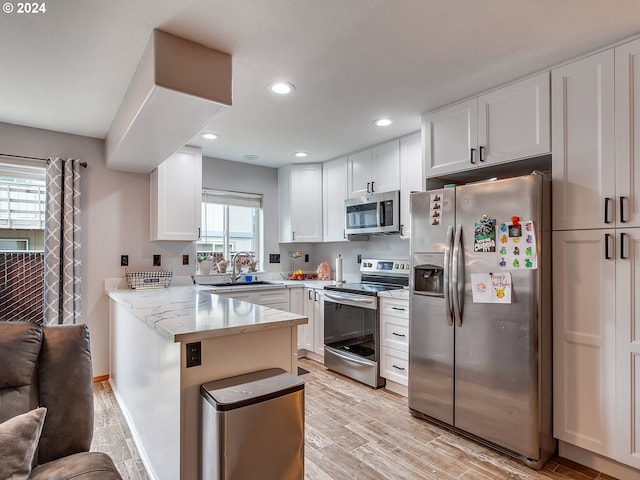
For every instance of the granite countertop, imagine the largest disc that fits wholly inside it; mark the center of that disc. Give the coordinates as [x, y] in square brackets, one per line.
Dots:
[188, 313]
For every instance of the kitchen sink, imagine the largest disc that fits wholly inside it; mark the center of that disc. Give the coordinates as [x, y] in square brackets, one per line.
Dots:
[243, 284]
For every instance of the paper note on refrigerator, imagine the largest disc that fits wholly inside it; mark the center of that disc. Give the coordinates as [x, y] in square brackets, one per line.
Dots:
[517, 246]
[491, 287]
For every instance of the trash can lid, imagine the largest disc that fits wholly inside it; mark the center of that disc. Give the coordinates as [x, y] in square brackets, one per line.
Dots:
[250, 388]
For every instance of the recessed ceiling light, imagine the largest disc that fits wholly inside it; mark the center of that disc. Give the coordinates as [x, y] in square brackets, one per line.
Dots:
[251, 156]
[282, 88]
[383, 122]
[301, 154]
[209, 135]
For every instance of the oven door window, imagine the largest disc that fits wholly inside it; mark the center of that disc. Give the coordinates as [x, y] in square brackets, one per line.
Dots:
[351, 329]
[362, 215]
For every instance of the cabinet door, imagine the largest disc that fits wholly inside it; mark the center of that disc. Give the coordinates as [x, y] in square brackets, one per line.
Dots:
[514, 121]
[318, 316]
[385, 167]
[411, 177]
[449, 136]
[359, 173]
[583, 149]
[584, 309]
[306, 203]
[306, 332]
[334, 189]
[296, 300]
[176, 196]
[627, 105]
[628, 348]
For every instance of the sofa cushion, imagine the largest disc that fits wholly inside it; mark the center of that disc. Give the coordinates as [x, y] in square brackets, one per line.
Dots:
[80, 466]
[19, 350]
[66, 388]
[18, 443]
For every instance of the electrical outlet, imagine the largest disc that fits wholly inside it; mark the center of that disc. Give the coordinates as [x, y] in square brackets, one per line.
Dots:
[194, 354]
[124, 260]
[185, 259]
[274, 258]
[156, 260]
[306, 258]
[359, 258]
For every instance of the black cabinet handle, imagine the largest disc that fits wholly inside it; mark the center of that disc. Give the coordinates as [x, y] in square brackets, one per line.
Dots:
[622, 200]
[398, 334]
[622, 255]
[368, 187]
[471, 154]
[398, 308]
[607, 237]
[399, 368]
[481, 154]
[309, 294]
[607, 200]
[372, 189]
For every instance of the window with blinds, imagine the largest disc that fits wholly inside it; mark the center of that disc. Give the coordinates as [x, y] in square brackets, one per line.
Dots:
[231, 223]
[22, 207]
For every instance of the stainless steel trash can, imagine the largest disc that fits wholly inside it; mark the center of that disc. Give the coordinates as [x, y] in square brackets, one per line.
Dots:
[253, 427]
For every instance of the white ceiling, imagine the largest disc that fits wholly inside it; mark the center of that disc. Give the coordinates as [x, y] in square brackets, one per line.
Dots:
[352, 61]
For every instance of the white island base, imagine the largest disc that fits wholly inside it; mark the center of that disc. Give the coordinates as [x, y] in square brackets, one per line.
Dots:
[158, 394]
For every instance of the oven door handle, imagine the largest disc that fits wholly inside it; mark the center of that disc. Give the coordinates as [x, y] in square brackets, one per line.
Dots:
[338, 297]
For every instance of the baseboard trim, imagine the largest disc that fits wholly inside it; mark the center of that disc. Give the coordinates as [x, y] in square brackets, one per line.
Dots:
[100, 378]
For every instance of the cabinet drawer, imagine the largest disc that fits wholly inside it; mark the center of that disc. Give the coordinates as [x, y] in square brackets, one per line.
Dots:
[394, 365]
[284, 306]
[269, 297]
[394, 332]
[244, 296]
[394, 307]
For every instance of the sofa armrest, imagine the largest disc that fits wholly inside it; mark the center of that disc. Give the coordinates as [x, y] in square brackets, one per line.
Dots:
[66, 389]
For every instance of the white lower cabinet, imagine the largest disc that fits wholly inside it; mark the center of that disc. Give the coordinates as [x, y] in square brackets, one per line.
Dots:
[584, 317]
[274, 298]
[314, 310]
[394, 341]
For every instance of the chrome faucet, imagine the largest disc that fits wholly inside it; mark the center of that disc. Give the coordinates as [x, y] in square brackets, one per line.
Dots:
[234, 262]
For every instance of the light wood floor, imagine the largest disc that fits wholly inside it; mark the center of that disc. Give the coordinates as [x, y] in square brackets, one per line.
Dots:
[355, 432]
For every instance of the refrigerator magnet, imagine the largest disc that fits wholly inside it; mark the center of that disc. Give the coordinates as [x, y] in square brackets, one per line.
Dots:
[484, 238]
[514, 255]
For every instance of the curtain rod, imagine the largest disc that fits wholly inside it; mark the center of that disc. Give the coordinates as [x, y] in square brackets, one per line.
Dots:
[82, 164]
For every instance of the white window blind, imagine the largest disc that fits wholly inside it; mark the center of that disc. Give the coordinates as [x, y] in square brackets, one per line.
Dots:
[22, 197]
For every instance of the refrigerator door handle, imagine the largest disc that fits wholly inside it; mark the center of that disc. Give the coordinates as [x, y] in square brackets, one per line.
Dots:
[446, 276]
[457, 284]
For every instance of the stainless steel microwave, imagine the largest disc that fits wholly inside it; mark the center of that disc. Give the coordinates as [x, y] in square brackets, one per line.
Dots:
[373, 214]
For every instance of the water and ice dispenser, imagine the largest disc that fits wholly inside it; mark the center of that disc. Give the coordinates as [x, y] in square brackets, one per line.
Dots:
[428, 274]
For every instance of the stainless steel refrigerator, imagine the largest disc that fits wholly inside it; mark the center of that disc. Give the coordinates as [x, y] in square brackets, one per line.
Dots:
[480, 362]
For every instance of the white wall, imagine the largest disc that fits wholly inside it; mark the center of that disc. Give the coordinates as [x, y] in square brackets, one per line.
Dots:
[115, 211]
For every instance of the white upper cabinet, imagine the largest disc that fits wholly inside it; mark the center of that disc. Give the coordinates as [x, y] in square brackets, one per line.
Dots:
[510, 123]
[334, 189]
[300, 197]
[627, 152]
[583, 143]
[176, 196]
[411, 177]
[375, 170]
[450, 139]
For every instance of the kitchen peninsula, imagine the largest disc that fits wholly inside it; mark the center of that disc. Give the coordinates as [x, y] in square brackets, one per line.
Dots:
[155, 335]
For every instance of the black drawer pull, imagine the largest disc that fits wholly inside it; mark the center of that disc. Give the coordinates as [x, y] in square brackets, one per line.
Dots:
[399, 368]
[398, 334]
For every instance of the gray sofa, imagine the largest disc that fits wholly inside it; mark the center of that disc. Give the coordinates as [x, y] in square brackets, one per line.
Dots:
[51, 367]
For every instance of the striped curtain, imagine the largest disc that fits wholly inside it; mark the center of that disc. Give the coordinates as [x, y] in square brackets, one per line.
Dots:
[62, 243]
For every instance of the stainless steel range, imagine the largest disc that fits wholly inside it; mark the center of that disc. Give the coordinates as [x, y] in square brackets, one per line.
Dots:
[352, 322]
